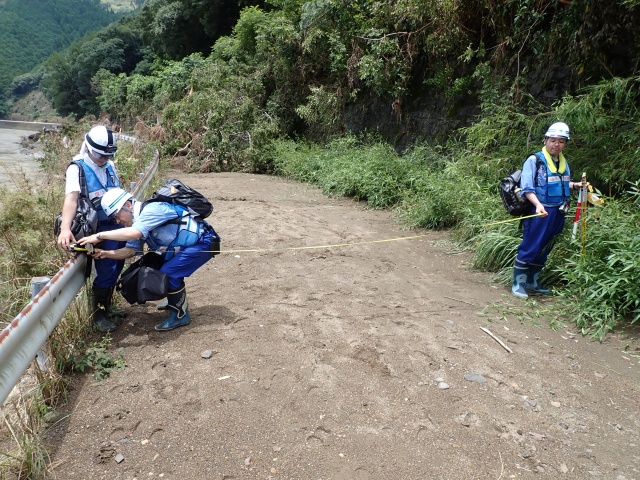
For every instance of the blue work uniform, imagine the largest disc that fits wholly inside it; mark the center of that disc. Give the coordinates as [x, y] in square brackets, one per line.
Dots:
[107, 269]
[552, 190]
[185, 243]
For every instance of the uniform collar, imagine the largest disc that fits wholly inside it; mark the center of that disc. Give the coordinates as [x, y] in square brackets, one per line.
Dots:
[136, 207]
[87, 159]
[552, 165]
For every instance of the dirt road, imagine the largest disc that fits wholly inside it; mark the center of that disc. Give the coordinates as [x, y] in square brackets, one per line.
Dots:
[364, 361]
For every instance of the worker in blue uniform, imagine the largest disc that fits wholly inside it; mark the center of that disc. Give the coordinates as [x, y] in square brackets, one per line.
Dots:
[547, 185]
[184, 241]
[96, 160]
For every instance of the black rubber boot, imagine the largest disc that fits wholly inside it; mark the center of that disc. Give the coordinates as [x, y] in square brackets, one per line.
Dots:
[178, 311]
[101, 304]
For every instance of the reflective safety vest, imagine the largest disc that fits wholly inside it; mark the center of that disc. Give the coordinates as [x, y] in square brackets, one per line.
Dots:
[188, 232]
[552, 189]
[97, 189]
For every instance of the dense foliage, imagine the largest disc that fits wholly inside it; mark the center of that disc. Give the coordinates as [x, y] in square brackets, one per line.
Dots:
[32, 30]
[69, 75]
[176, 29]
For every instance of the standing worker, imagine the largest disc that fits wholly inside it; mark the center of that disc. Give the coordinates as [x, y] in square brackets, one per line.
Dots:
[186, 244]
[547, 185]
[96, 159]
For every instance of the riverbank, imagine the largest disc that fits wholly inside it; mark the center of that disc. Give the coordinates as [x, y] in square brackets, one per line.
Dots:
[25, 125]
[16, 160]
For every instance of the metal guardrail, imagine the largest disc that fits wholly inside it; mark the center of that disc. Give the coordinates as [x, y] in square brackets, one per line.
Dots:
[21, 340]
[34, 126]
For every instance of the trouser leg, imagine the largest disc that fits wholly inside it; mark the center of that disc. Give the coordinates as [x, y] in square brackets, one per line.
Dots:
[101, 302]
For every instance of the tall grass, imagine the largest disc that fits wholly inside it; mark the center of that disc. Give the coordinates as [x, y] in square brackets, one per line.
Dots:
[603, 281]
[27, 250]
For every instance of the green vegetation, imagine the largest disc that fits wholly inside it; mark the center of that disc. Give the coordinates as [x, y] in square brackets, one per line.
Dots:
[97, 357]
[33, 30]
[27, 250]
[68, 80]
[410, 105]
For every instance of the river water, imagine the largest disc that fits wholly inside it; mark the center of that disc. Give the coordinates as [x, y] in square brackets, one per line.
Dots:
[14, 159]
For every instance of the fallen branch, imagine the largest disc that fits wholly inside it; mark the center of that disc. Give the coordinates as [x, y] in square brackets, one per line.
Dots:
[488, 332]
[183, 150]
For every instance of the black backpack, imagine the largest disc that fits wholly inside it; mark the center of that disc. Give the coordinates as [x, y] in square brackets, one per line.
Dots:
[177, 193]
[514, 201]
[85, 221]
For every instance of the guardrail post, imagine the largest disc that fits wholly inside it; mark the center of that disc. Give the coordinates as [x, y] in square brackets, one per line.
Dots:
[43, 359]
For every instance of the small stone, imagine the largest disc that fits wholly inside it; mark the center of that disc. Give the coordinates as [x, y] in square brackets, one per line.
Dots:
[144, 442]
[51, 417]
[555, 404]
[206, 354]
[119, 458]
[475, 377]
[527, 454]
[443, 385]
[564, 468]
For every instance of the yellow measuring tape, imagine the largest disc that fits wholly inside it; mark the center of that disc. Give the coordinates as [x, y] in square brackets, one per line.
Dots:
[512, 219]
[333, 245]
[351, 244]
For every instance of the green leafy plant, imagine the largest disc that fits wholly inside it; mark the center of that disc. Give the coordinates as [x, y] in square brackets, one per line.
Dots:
[603, 281]
[96, 357]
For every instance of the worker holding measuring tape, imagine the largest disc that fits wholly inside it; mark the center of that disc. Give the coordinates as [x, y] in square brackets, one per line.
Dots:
[547, 185]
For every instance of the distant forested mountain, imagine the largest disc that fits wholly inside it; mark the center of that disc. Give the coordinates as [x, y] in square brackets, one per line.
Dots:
[31, 30]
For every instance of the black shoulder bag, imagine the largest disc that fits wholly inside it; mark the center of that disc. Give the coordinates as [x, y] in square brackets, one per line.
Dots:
[85, 222]
[143, 281]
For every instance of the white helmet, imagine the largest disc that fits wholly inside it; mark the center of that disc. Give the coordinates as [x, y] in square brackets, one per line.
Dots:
[101, 140]
[558, 130]
[113, 200]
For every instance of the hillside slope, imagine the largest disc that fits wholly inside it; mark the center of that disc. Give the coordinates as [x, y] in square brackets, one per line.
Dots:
[31, 31]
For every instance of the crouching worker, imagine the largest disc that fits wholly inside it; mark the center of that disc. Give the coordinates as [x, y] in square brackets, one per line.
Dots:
[186, 243]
